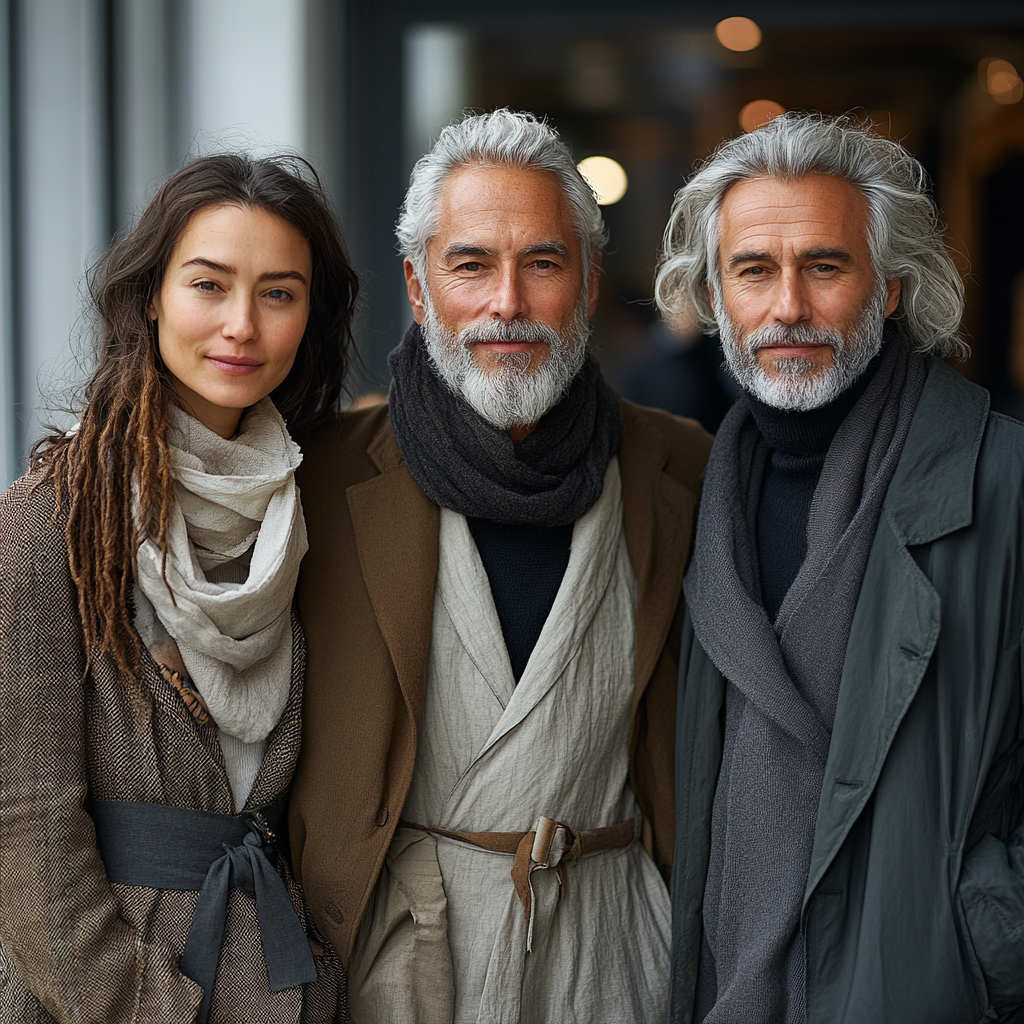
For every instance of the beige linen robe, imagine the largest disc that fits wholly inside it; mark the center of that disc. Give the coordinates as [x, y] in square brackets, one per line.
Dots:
[494, 756]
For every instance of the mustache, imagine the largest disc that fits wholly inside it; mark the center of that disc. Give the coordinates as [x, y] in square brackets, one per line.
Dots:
[797, 335]
[510, 332]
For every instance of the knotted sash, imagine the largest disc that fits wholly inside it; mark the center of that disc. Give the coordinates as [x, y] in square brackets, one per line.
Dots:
[180, 848]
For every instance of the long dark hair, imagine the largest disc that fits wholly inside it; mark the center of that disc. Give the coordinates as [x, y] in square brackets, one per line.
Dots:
[122, 436]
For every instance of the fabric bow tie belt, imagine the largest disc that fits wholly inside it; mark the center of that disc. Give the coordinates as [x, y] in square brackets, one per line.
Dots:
[549, 845]
[163, 847]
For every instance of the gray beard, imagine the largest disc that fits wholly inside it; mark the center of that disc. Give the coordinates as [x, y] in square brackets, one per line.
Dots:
[511, 394]
[799, 385]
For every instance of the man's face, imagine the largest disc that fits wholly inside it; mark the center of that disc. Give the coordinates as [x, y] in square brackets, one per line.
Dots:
[800, 310]
[503, 307]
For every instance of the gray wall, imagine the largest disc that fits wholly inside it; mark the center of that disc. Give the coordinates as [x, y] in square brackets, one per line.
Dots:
[99, 100]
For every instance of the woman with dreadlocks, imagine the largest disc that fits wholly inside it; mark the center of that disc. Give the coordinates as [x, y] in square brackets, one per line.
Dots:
[151, 664]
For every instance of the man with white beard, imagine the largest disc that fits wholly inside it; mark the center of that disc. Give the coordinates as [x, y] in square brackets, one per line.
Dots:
[482, 816]
[850, 770]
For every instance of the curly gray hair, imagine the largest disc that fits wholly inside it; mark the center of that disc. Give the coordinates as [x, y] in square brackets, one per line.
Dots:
[500, 137]
[905, 235]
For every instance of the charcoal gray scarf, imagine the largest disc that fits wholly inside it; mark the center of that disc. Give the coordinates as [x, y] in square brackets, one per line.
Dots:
[782, 685]
[550, 478]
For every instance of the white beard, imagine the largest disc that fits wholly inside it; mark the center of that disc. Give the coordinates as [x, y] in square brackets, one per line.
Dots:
[511, 394]
[798, 385]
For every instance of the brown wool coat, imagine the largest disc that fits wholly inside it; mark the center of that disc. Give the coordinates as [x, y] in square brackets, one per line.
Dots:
[366, 594]
[73, 947]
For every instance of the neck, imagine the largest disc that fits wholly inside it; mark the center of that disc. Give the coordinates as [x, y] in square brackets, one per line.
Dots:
[521, 433]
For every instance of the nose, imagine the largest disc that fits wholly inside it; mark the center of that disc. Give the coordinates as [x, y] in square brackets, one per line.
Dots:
[790, 302]
[508, 298]
[240, 324]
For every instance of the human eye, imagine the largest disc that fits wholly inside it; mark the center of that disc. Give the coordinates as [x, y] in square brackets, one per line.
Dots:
[205, 287]
[279, 295]
[545, 264]
[470, 266]
[752, 272]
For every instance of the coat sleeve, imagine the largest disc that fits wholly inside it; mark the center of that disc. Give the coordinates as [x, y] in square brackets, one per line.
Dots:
[60, 922]
[992, 894]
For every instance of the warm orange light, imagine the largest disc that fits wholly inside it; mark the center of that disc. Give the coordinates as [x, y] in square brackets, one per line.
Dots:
[758, 113]
[738, 34]
[1000, 80]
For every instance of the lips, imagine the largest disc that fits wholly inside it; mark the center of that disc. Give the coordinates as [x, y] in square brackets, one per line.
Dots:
[237, 366]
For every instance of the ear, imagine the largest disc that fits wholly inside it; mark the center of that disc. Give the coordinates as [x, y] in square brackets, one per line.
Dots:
[151, 310]
[893, 290]
[593, 285]
[415, 292]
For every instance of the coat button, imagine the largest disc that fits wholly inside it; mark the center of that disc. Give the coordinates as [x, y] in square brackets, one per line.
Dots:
[382, 817]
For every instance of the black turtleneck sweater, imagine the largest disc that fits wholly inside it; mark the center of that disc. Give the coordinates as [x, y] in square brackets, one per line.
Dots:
[799, 443]
[525, 566]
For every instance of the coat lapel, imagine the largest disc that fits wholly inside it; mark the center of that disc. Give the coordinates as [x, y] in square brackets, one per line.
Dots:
[896, 625]
[396, 530]
[891, 641]
[658, 514]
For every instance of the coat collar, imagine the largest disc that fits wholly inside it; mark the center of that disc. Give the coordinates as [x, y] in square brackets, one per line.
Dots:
[932, 491]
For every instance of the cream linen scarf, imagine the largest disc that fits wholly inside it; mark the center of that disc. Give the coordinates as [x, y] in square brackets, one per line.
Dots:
[232, 495]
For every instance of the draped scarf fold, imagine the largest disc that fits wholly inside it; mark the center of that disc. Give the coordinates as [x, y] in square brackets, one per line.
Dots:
[233, 499]
[461, 462]
[782, 683]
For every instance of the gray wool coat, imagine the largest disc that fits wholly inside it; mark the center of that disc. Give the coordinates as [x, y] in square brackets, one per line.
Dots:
[73, 946]
[914, 907]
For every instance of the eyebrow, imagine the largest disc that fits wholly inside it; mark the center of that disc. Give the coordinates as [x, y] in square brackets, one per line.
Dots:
[748, 256]
[752, 256]
[538, 249]
[224, 268]
[826, 254]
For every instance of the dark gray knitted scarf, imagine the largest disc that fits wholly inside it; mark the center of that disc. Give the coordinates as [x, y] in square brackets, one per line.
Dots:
[550, 478]
[782, 685]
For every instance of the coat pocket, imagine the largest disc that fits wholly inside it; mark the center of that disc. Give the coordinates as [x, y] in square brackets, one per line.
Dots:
[992, 894]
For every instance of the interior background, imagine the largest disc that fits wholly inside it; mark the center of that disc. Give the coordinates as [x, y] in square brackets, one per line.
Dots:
[99, 99]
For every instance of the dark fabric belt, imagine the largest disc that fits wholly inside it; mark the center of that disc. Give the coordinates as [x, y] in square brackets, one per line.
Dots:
[163, 847]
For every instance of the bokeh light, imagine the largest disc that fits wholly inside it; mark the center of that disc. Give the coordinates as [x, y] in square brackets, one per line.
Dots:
[1000, 80]
[606, 177]
[739, 34]
[758, 113]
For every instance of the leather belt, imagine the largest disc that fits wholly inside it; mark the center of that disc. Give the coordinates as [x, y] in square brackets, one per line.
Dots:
[549, 844]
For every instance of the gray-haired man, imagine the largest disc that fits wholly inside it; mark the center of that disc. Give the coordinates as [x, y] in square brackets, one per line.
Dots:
[850, 730]
[482, 817]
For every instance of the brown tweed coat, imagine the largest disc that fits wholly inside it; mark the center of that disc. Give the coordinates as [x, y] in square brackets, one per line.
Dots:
[74, 947]
[366, 595]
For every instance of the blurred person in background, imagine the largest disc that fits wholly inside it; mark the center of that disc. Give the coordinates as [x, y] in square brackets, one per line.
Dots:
[152, 665]
[482, 816]
[850, 785]
[680, 371]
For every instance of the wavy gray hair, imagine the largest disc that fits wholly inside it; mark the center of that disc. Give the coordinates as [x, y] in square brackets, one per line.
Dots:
[501, 137]
[905, 235]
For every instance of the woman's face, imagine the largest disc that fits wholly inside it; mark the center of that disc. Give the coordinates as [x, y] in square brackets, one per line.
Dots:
[231, 310]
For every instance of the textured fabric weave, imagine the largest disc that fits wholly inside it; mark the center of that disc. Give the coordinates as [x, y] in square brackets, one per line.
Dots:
[461, 462]
[231, 496]
[783, 682]
[73, 946]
